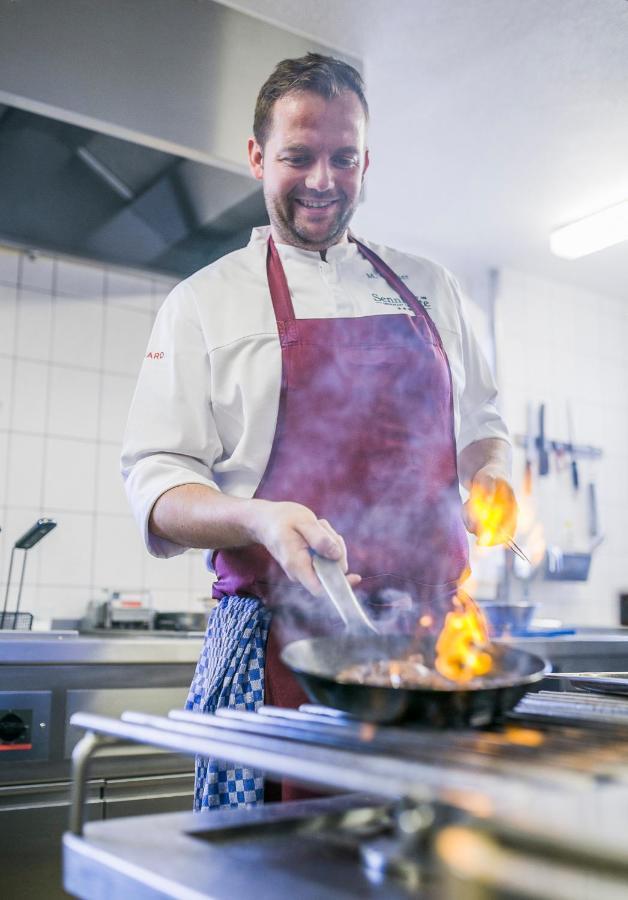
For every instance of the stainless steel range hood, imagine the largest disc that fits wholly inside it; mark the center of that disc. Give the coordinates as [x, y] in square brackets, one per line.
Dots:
[72, 190]
[123, 127]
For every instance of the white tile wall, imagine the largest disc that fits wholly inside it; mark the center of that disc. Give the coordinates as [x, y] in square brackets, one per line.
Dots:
[70, 474]
[126, 336]
[36, 271]
[6, 389]
[117, 392]
[80, 279]
[77, 331]
[8, 306]
[74, 403]
[110, 494]
[25, 470]
[119, 554]
[33, 324]
[65, 554]
[72, 337]
[556, 343]
[29, 398]
[8, 266]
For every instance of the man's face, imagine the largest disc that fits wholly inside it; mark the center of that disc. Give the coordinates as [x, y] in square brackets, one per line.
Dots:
[312, 167]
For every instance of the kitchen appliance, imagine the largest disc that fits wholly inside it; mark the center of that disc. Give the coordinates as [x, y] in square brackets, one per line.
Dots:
[540, 801]
[16, 620]
[129, 610]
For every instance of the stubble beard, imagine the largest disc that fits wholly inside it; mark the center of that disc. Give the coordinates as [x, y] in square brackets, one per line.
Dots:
[283, 221]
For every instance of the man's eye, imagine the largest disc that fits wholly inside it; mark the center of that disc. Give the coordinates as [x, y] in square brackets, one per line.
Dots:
[345, 162]
[295, 160]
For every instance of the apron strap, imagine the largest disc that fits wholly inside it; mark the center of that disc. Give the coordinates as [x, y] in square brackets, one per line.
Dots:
[282, 301]
[396, 283]
[280, 295]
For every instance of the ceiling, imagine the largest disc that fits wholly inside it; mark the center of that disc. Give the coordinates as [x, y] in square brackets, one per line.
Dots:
[493, 121]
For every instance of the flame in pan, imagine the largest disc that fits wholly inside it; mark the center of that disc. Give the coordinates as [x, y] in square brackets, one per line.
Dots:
[462, 646]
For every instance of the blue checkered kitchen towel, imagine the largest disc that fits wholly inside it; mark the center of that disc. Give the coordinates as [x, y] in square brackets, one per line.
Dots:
[230, 672]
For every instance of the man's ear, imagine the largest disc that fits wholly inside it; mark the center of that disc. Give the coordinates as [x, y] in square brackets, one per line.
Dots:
[366, 163]
[256, 159]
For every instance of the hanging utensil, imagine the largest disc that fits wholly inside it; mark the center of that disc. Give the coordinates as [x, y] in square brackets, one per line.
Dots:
[542, 443]
[575, 480]
[529, 452]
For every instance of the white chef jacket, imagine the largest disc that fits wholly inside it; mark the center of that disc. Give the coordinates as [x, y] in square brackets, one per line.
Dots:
[206, 401]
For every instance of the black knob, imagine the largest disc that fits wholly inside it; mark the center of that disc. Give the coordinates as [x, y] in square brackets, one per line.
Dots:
[12, 728]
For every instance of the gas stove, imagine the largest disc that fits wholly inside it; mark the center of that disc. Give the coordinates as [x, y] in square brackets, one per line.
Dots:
[535, 807]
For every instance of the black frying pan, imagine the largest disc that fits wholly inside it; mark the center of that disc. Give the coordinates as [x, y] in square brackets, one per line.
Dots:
[316, 662]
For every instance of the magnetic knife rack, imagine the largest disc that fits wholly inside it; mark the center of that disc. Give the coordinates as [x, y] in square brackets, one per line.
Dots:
[580, 451]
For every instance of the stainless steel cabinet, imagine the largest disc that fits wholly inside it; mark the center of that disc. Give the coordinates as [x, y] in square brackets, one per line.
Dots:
[43, 682]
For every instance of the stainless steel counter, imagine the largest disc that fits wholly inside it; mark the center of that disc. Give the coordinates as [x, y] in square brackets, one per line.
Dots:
[589, 649]
[224, 854]
[52, 648]
[127, 647]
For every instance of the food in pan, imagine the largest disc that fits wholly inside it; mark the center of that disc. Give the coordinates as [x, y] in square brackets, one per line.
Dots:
[410, 672]
[463, 656]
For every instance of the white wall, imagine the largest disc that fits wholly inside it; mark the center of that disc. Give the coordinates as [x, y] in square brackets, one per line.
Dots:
[72, 337]
[557, 343]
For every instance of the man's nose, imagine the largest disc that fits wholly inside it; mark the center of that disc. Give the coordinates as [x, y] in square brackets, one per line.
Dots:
[320, 176]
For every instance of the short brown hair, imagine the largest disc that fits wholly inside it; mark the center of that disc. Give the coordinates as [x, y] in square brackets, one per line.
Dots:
[325, 75]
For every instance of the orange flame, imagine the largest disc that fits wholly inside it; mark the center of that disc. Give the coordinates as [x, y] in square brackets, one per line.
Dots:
[493, 511]
[462, 646]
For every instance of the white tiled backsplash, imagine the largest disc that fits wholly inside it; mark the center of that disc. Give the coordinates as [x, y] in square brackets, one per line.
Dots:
[557, 344]
[72, 337]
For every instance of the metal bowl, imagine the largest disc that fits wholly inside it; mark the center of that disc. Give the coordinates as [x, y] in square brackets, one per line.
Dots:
[508, 618]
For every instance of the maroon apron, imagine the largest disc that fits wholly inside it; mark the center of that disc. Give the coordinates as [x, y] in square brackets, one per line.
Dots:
[365, 439]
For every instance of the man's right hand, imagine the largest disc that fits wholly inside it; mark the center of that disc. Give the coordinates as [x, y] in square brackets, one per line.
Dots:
[197, 515]
[289, 531]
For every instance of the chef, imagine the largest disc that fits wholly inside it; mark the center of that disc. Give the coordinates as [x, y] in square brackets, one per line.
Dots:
[313, 391]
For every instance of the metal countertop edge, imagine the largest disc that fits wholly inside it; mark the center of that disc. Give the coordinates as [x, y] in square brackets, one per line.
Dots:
[99, 651]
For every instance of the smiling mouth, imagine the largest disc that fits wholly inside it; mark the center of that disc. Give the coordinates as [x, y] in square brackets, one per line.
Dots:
[315, 204]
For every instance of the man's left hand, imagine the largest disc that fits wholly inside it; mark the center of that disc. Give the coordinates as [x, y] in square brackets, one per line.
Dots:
[491, 510]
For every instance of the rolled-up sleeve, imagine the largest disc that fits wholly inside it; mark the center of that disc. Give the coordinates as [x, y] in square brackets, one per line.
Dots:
[171, 437]
[479, 413]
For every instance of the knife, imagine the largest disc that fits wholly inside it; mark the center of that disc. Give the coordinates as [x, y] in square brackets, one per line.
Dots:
[541, 443]
[572, 452]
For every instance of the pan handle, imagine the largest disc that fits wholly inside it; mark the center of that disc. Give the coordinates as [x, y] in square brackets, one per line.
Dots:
[341, 594]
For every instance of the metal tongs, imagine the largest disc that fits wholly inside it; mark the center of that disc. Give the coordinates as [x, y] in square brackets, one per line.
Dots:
[517, 549]
[341, 594]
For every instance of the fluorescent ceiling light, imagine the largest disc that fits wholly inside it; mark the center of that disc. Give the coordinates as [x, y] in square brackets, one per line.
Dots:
[602, 229]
